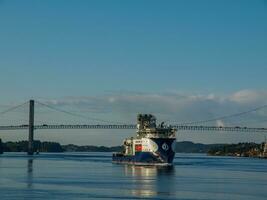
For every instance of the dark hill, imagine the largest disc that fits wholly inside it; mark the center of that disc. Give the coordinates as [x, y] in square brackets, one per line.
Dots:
[1, 147]
[190, 147]
[181, 147]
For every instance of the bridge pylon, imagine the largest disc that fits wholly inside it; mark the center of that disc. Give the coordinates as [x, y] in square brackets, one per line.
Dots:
[31, 128]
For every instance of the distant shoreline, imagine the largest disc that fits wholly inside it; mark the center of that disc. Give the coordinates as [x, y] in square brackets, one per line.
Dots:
[237, 150]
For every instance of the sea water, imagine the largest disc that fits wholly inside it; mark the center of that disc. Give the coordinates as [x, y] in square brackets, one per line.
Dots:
[93, 176]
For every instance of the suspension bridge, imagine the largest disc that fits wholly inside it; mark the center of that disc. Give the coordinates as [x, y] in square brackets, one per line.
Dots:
[189, 126]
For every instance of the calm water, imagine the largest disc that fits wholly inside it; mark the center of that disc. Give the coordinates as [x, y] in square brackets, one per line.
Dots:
[93, 176]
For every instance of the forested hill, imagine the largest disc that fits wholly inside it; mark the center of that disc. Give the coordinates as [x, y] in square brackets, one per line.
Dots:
[190, 147]
[181, 147]
[22, 146]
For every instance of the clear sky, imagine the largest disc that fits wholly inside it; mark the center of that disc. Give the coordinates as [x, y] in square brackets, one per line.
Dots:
[107, 57]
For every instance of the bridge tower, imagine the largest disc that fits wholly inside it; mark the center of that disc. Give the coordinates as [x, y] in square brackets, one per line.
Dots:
[31, 128]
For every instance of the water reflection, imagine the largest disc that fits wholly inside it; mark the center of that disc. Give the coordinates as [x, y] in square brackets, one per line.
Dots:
[29, 172]
[149, 181]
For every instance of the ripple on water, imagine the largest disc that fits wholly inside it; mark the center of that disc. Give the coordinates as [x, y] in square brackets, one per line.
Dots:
[93, 176]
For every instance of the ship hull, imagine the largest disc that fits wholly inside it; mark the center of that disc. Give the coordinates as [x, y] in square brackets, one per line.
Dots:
[163, 155]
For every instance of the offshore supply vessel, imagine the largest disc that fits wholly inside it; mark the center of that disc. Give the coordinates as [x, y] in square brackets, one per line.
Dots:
[153, 145]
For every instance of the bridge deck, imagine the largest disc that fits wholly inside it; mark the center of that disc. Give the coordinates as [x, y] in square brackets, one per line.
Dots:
[131, 126]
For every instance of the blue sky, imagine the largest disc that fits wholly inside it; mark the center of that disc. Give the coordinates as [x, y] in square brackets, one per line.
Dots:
[99, 50]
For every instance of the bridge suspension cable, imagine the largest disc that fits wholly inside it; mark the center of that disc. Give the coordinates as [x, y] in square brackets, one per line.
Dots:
[76, 115]
[118, 125]
[225, 116]
[12, 108]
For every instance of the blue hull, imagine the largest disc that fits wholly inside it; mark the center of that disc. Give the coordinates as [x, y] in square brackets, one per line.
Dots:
[163, 155]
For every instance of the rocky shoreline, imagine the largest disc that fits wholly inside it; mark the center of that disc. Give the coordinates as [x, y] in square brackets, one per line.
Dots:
[240, 150]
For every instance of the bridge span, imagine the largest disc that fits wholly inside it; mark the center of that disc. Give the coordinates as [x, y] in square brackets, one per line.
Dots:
[132, 126]
[184, 127]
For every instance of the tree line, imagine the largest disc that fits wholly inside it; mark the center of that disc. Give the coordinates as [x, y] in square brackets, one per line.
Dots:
[241, 149]
[38, 146]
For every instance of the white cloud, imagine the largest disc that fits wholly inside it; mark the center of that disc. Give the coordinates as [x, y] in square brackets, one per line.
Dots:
[249, 97]
[173, 107]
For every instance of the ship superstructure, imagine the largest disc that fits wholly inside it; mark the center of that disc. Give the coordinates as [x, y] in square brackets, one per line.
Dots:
[153, 144]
